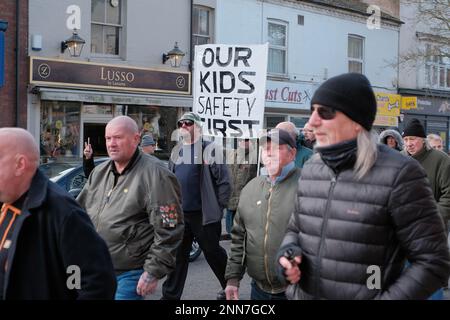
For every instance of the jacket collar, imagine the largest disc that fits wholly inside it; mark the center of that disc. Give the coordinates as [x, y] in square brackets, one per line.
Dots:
[339, 156]
[285, 172]
[35, 197]
[421, 155]
[37, 192]
[130, 164]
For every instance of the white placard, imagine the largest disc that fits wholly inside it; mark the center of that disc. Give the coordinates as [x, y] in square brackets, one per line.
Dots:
[229, 89]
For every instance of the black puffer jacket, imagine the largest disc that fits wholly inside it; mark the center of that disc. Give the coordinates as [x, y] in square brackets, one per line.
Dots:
[344, 226]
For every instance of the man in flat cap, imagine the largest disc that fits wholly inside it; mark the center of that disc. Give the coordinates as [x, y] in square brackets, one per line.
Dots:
[263, 212]
[148, 144]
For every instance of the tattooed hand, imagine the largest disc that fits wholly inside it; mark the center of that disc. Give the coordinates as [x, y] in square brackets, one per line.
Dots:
[147, 284]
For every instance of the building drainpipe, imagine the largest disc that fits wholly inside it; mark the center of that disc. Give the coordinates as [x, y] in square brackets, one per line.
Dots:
[191, 54]
[17, 60]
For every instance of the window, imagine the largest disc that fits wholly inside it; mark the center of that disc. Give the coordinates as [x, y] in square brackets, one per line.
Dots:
[60, 130]
[437, 70]
[277, 38]
[106, 26]
[355, 54]
[201, 25]
[271, 120]
[158, 122]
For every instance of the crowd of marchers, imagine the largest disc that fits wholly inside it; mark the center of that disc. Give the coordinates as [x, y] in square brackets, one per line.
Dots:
[330, 202]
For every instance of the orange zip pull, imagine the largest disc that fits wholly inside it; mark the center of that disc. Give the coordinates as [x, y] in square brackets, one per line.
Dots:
[5, 208]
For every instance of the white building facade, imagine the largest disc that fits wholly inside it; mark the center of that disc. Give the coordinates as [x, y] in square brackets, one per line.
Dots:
[309, 42]
[425, 65]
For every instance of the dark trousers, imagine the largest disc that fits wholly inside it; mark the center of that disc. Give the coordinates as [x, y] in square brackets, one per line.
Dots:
[208, 238]
[258, 294]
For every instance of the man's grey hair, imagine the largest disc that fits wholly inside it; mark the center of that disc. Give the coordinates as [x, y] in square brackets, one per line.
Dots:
[366, 155]
[426, 144]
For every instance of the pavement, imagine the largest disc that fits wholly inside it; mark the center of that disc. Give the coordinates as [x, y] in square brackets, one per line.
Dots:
[202, 284]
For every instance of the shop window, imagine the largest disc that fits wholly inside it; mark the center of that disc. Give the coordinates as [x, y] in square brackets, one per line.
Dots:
[60, 130]
[202, 25]
[106, 26]
[355, 54]
[271, 121]
[160, 122]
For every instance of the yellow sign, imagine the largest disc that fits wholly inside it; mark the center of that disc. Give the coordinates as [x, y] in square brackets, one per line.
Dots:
[58, 124]
[388, 104]
[385, 121]
[409, 103]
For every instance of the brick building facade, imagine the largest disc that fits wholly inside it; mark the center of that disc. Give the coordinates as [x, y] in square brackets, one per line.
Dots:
[13, 107]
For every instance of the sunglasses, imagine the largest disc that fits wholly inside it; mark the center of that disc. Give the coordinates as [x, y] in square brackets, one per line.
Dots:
[187, 123]
[325, 113]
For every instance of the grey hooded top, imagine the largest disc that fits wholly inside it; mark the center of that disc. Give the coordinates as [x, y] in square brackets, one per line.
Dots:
[394, 134]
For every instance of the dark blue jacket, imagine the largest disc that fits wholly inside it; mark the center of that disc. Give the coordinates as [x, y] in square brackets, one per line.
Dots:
[51, 234]
[215, 185]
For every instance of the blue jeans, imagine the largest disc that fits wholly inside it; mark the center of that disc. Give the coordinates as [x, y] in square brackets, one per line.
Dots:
[229, 220]
[257, 294]
[126, 285]
[438, 295]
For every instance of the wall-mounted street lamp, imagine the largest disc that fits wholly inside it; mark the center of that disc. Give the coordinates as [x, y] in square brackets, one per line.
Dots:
[175, 56]
[75, 44]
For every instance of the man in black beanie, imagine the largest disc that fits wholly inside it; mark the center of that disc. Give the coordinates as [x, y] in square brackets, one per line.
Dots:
[435, 163]
[362, 205]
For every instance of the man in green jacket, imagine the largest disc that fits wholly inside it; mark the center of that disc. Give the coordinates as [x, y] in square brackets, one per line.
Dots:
[435, 163]
[134, 202]
[263, 212]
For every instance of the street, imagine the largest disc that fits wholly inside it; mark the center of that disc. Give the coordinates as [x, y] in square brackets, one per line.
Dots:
[201, 284]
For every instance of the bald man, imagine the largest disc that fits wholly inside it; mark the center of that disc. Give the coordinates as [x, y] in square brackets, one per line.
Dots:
[309, 137]
[303, 153]
[134, 202]
[49, 248]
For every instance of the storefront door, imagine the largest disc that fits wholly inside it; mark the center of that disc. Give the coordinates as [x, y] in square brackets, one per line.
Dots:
[95, 134]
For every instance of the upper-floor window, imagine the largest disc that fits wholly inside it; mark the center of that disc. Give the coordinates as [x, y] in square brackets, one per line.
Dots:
[355, 54]
[106, 26]
[437, 69]
[202, 25]
[277, 38]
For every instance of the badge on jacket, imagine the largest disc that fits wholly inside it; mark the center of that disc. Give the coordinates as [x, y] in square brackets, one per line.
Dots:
[169, 215]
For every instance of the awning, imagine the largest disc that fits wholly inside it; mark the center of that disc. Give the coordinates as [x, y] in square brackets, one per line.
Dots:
[113, 97]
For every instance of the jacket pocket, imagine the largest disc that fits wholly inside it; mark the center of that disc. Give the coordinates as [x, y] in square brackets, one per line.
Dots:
[137, 241]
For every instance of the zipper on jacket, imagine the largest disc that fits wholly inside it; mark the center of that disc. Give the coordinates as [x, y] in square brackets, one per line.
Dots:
[322, 236]
[266, 233]
[108, 197]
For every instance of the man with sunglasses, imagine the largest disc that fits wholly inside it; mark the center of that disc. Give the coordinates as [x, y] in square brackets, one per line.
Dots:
[205, 191]
[362, 209]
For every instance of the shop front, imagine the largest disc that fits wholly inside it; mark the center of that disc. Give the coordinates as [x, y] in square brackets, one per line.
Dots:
[434, 113]
[74, 101]
[288, 101]
[388, 111]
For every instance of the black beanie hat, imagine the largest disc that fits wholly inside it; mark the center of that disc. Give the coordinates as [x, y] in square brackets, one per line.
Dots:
[350, 93]
[414, 129]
